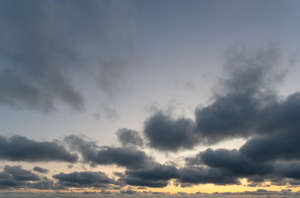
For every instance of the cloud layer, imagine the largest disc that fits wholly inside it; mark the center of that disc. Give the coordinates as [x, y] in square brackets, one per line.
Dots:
[46, 44]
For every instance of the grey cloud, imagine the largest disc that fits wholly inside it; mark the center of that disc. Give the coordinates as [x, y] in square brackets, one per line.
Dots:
[21, 174]
[46, 44]
[40, 169]
[282, 146]
[248, 95]
[19, 148]
[154, 176]
[230, 160]
[248, 91]
[84, 179]
[159, 176]
[201, 175]
[166, 133]
[125, 156]
[15, 177]
[129, 137]
[235, 163]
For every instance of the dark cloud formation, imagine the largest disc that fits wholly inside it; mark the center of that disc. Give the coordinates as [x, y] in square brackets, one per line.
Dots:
[83, 179]
[19, 148]
[201, 175]
[15, 177]
[166, 133]
[238, 165]
[154, 176]
[128, 137]
[21, 174]
[46, 44]
[40, 169]
[45, 184]
[230, 160]
[248, 107]
[121, 156]
[247, 97]
[230, 163]
[159, 176]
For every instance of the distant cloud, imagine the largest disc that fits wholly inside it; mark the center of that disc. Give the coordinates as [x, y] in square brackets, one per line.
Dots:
[15, 177]
[40, 169]
[20, 148]
[129, 137]
[153, 176]
[247, 97]
[46, 44]
[120, 156]
[83, 179]
[168, 134]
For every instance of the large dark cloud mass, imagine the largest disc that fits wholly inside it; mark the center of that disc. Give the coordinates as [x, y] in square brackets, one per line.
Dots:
[248, 107]
[246, 99]
[19, 148]
[45, 44]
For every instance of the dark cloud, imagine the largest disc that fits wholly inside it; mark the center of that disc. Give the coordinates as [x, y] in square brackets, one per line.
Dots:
[202, 175]
[237, 111]
[230, 160]
[19, 148]
[166, 133]
[21, 174]
[46, 44]
[248, 92]
[40, 169]
[282, 146]
[237, 164]
[84, 179]
[129, 137]
[125, 156]
[15, 177]
[155, 176]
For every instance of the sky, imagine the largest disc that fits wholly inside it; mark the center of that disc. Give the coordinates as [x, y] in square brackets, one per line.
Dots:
[149, 98]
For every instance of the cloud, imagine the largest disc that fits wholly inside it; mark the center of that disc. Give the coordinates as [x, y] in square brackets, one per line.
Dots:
[15, 177]
[121, 156]
[154, 176]
[83, 179]
[21, 174]
[247, 96]
[20, 148]
[248, 91]
[201, 175]
[40, 169]
[168, 134]
[129, 137]
[46, 44]
[231, 162]
[278, 170]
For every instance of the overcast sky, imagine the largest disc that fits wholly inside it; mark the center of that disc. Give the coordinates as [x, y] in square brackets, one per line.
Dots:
[153, 96]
